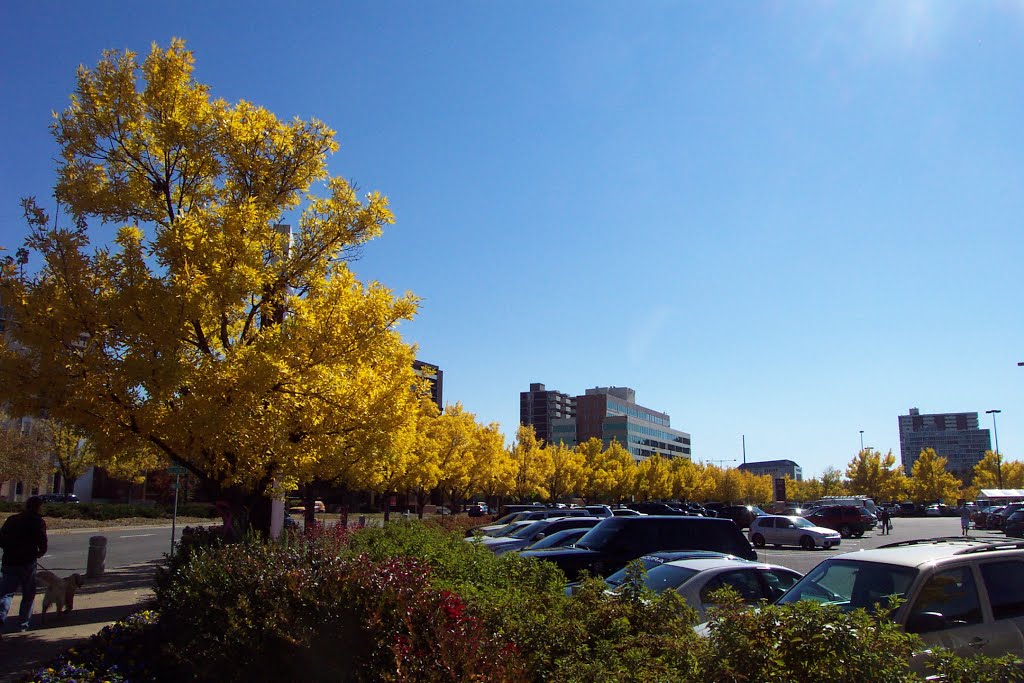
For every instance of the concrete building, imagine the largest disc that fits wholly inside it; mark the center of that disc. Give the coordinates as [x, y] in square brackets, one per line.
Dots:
[608, 413]
[541, 408]
[954, 436]
[776, 468]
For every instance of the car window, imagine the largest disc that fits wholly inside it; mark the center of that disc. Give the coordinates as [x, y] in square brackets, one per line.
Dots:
[852, 584]
[802, 523]
[743, 581]
[768, 523]
[953, 594]
[1005, 588]
[528, 530]
[778, 581]
[666, 577]
[784, 524]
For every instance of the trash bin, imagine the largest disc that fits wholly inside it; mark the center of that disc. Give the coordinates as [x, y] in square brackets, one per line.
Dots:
[97, 563]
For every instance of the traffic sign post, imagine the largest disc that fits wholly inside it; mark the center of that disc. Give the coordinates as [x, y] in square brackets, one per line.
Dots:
[177, 471]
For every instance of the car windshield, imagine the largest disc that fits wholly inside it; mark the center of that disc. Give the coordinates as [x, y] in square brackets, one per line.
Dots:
[510, 517]
[648, 562]
[852, 584]
[801, 523]
[527, 530]
[558, 539]
[663, 577]
[509, 529]
[599, 535]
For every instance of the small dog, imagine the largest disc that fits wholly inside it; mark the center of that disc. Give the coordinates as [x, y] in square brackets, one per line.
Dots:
[59, 592]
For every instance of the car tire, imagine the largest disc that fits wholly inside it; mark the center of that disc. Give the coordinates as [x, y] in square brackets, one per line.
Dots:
[807, 543]
[758, 541]
[858, 534]
[845, 531]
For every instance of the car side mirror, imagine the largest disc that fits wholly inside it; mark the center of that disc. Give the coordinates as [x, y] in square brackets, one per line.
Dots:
[925, 622]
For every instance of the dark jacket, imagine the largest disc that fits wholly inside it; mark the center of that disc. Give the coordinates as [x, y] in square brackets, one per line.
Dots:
[23, 537]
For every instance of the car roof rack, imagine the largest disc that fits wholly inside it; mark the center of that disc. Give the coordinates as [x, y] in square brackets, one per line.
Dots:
[977, 545]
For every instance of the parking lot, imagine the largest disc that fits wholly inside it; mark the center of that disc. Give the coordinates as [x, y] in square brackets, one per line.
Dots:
[904, 529]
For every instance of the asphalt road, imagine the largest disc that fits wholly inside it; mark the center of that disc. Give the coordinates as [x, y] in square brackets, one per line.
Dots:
[68, 550]
[904, 529]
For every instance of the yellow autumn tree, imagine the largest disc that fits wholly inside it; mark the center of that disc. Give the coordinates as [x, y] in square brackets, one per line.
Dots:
[653, 479]
[205, 333]
[613, 475]
[691, 481]
[495, 463]
[591, 450]
[875, 475]
[929, 480]
[73, 454]
[531, 466]
[567, 472]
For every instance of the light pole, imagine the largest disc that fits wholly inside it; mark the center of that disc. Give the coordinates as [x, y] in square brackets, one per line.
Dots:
[995, 432]
[862, 440]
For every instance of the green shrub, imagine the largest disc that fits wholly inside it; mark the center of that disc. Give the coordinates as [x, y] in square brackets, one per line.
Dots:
[304, 610]
[203, 510]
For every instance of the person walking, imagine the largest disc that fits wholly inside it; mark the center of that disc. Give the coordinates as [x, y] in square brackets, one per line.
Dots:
[965, 520]
[23, 539]
[883, 520]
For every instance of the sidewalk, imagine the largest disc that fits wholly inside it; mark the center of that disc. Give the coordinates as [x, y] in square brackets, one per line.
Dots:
[101, 601]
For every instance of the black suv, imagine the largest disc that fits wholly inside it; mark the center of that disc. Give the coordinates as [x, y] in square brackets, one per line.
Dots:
[657, 509]
[610, 545]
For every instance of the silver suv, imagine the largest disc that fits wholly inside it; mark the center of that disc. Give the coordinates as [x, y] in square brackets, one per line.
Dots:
[962, 594]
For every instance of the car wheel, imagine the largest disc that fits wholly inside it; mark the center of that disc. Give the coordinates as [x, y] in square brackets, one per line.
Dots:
[845, 531]
[807, 543]
[858, 534]
[758, 541]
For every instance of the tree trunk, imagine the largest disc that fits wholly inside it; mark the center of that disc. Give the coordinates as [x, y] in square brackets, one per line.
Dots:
[243, 511]
[309, 516]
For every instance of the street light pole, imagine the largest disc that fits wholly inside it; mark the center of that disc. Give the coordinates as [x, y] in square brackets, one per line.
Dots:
[995, 432]
[862, 439]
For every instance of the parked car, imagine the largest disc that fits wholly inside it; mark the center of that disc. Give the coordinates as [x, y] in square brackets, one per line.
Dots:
[59, 498]
[655, 559]
[599, 510]
[477, 510]
[846, 519]
[615, 541]
[779, 530]
[530, 515]
[559, 539]
[962, 594]
[657, 509]
[988, 518]
[1014, 525]
[1003, 515]
[626, 512]
[696, 579]
[741, 515]
[535, 531]
[299, 507]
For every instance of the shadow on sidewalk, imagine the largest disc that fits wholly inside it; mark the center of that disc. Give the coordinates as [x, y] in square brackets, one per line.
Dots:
[101, 601]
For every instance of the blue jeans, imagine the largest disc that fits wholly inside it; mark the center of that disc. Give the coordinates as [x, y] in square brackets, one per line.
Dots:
[17, 576]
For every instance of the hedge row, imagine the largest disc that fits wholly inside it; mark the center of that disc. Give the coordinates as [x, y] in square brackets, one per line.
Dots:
[108, 511]
[409, 603]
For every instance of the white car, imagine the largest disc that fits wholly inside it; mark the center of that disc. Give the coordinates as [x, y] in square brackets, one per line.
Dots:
[962, 594]
[781, 530]
[695, 580]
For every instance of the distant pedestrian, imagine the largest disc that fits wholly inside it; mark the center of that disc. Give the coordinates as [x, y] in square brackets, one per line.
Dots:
[965, 520]
[23, 539]
[883, 520]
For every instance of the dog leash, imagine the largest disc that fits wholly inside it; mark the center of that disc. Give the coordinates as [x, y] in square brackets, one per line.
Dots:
[40, 565]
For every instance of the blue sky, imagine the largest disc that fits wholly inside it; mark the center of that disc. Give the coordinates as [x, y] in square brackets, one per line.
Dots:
[786, 220]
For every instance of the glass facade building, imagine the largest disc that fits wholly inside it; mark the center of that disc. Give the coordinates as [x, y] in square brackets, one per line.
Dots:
[611, 413]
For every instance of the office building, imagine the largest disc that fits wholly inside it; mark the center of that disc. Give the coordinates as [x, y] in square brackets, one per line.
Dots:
[541, 408]
[954, 436]
[777, 469]
[435, 377]
[612, 413]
